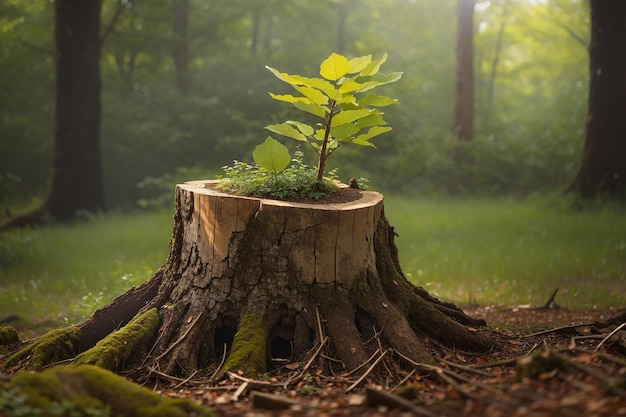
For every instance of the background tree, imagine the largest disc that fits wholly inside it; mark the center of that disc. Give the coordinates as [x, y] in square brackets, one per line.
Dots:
[463, 125]
[602, 171]
[77, 182]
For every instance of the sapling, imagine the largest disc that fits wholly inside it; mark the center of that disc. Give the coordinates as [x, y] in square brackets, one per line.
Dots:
[347, 116]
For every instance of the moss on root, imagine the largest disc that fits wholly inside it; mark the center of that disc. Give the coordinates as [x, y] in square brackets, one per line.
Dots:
[122, 346]
[8, 336]
[90, 388]
[55, 346]
[249, 347]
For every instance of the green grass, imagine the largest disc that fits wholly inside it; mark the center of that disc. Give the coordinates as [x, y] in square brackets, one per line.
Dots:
[481, 251]
[62, 273]
[512, 252]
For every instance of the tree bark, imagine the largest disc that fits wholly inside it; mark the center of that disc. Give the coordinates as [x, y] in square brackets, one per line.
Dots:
[272, 279]
[77, 182]
[602, 171]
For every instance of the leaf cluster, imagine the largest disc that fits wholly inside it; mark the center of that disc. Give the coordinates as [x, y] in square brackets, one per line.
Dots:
[297, 180]
[347, 116]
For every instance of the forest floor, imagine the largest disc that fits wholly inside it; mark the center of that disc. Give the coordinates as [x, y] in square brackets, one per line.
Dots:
[575, 364]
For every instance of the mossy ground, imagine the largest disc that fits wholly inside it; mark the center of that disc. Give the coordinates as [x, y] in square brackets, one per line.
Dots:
[90, 388]
[8, 335]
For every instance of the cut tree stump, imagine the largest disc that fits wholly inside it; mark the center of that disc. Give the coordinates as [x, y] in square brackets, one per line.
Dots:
[267, 279]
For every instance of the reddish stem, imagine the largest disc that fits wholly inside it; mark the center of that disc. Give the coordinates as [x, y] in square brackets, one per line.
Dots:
[323, 156]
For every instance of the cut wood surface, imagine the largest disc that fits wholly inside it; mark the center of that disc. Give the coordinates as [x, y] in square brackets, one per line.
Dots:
[321, 243]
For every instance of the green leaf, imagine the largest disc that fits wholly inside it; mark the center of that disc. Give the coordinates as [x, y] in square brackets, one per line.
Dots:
[375, 119]
[370, 82]
[359, 63]
[350, 86]
[289, 79]
[374, 66]
[344, 132]
[334, 67]
[377, 101]
[374, 131]
[314, 95]
[348, 116]
[289, 98]
[271, 155]
[363, 143]
[347, 101]
[322, 85]
[302, 127]
[319, 111]
[286, 129]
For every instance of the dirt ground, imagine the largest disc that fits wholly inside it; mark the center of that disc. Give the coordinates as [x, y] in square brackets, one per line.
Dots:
[552, 362]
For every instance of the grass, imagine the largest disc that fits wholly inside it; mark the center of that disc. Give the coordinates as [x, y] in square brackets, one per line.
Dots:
[512, 252]
[58, 274]
[467, 251]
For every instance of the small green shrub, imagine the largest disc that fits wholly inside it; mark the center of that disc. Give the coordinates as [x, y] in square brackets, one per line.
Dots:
[297, 180]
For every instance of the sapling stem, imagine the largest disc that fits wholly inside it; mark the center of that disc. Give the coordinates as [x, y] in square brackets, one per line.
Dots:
[322, 160]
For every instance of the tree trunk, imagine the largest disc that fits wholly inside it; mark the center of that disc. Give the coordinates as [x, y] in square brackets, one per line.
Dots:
[77, 182]
[270, 279]
[602, 171]
[463, 124]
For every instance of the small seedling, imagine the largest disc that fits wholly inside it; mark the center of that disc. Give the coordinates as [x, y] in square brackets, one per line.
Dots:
[347, 116]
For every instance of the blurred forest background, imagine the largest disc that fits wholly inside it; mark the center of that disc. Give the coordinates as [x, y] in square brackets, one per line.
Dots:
[184, 91]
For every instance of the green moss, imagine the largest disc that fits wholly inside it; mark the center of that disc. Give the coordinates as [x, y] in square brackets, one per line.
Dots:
[54, 346]
[249, 346]
[8, 336]
[90, 387]
[122, 346]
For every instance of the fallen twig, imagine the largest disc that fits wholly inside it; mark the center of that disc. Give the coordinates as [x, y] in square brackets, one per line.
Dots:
[186, 380]
[219, 367]
[308, 364]
[561, 329]
[550, 303]
[617, 329]
[366, 373]
[180, 339]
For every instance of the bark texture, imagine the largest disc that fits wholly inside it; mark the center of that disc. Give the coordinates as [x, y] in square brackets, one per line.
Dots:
[602, 171]
[255, 279]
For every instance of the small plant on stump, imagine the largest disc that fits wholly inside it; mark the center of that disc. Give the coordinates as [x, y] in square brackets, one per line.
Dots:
[347, 116]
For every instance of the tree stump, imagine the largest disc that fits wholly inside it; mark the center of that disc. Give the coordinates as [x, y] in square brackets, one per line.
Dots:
[253, 279]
